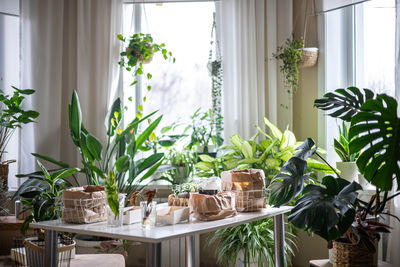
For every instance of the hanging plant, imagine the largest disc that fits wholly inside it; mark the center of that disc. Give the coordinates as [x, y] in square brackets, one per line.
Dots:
[290, 55]
[140, 50]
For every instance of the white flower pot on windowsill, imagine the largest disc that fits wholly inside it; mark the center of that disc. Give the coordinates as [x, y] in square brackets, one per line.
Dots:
[348, 170]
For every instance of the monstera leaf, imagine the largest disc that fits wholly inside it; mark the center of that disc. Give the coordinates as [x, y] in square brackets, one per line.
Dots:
[344, 103]
[327, 210]
[375, 132]
[289, 183]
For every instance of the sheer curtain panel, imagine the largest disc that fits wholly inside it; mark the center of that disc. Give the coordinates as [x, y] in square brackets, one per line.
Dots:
[67, 45]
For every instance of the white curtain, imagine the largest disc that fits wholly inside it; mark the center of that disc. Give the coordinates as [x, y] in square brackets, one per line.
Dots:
[395, 205]
[243, 44]
[67, 45]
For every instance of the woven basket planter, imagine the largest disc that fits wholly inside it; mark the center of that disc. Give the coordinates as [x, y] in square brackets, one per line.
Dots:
[4, 175]
[309, 57]
[352, 255]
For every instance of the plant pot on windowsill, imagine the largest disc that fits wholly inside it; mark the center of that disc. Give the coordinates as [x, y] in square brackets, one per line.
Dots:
[309, 57]
[348, 170]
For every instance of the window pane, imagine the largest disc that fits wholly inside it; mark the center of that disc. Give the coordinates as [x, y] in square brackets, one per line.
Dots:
[181, 88]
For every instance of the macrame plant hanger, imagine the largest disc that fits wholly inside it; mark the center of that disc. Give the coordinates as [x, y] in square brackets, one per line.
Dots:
[215, 68]
[309, 55]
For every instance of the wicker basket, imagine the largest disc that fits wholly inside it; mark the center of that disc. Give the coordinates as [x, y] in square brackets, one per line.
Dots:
[309, 57]
[352, 255]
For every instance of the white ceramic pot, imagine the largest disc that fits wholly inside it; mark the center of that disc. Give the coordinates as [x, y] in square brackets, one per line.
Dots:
[240, 261]
[348, 170]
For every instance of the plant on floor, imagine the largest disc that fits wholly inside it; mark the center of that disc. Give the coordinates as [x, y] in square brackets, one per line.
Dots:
[43, 199]
[12, 116]
[120, 153]
[140, 50]
[290, 54]
[255, 240]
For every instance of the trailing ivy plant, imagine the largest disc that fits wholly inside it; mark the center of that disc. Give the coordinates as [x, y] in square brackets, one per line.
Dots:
[139, 51]
[290, 54]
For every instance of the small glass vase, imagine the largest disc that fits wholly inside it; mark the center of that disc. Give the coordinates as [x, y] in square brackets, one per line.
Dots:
[112, 219]
[148, 212]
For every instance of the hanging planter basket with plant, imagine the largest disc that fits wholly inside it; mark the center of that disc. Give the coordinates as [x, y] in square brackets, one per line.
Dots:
[309, 55]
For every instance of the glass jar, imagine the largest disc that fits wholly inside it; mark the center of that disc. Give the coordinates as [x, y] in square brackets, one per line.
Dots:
[148, 212]
[112, 219]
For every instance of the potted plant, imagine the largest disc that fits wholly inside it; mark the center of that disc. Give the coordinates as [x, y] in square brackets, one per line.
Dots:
[12, 116]
[244, 243]
[290, 55]
[330, 208]
[347, 166]
[140, 50]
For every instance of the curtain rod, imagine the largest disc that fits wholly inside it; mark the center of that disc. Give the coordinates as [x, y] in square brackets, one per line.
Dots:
[336, 8]
[164, 1]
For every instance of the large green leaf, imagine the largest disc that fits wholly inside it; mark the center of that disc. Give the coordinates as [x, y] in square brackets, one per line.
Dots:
[375, 132]
[75, 116]
[148, 162]
[49, 159]
[115, 109]
[327, 211]
[274, 130]
[344, 103]
[288, 140]
[289, 183]
[94, 146]
[146, 133]
[122, 163]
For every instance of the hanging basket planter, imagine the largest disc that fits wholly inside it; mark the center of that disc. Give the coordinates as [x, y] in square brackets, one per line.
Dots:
[309, 57]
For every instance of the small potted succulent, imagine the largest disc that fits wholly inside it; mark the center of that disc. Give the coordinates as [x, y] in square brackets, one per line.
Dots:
[12, 116]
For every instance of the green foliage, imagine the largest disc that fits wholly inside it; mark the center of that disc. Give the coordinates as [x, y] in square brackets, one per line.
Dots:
[344, 103]
[112, 194]
[13, 115]
[42, 195]
[178, 166]
[290, 54]
[120, 153]
[326, 208]
[255, 239]
[140, 50]
[341, 145]
[375, 132]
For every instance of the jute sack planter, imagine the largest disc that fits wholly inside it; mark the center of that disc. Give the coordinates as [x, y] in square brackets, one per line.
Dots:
[353, 255]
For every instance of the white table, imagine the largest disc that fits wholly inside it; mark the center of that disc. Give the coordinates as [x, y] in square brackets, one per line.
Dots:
[157, 234]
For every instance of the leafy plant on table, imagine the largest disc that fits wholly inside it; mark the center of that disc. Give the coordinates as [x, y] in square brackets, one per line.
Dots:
[290, 54]
[140, 50]
[120, 153]
[13, 115]
[43, 198]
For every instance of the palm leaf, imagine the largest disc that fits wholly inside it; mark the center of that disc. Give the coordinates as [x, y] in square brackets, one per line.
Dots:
[344, 103]
[375, 132]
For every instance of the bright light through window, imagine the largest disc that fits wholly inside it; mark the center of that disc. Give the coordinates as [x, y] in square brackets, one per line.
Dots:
[179, 89]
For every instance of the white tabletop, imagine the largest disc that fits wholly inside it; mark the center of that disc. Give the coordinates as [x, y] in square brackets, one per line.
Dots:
[159, 233]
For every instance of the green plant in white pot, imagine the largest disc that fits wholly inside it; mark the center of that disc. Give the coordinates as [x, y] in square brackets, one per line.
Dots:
[347, 166]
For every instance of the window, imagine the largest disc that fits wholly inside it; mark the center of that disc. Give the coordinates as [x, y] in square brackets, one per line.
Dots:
[9, 73]
[360, 51]
[178, 89]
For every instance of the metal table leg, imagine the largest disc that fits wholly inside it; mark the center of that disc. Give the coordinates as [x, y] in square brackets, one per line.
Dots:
[153, 255]
[190, 247]
[279, 240]
[50, 248]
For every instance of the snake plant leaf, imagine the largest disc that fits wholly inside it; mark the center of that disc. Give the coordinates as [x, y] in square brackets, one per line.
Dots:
[341, 151]
[344, 103]
[94, 146]
[375, 132]
[289, 183]
[327, 211]
[115, 109]
[274, 130]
